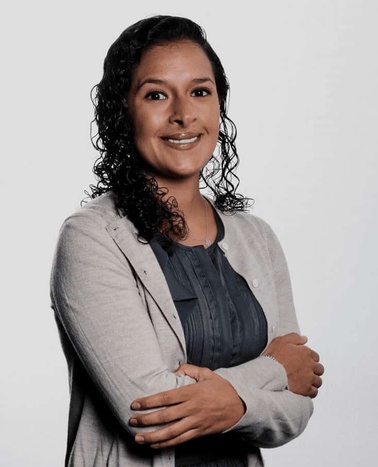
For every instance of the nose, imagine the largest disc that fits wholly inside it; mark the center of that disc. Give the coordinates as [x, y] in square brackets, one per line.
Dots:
[183, 111]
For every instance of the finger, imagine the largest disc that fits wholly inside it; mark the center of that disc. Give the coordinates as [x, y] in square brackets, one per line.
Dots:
[184, 367]
[190, 370]
[317, 381]
[315, 356]
[177, 432]
[313, 392]
[294, 338]
[160, 417]
[319, 369]
[161, 399]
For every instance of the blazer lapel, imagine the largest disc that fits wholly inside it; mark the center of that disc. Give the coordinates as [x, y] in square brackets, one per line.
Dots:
[143, 260]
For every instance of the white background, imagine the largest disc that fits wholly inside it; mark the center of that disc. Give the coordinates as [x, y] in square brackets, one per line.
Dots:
[304, 96]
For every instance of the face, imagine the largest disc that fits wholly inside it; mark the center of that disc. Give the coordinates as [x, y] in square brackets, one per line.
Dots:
[174, 106]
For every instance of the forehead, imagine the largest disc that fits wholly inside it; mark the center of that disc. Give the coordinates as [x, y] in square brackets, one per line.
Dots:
[173, 59]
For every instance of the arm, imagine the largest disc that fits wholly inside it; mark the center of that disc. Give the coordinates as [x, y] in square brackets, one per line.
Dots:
[273, 415]
[214, 405]
[96, 300]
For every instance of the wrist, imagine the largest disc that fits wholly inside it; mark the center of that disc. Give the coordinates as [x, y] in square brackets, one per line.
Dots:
[271, 357]
[275, 360]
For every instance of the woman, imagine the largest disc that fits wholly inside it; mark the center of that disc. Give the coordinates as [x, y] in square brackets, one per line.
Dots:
[169, 303]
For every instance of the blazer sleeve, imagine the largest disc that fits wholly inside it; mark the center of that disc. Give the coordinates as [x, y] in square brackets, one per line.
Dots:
[96, 300]
[274, 415]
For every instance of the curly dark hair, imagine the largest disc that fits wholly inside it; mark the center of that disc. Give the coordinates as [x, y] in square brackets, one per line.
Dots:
[120, 168]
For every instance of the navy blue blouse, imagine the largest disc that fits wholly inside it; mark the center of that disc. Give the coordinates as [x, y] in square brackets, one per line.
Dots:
[224, 325]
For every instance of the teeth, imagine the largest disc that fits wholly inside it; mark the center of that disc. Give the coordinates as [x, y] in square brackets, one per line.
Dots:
[182, 141]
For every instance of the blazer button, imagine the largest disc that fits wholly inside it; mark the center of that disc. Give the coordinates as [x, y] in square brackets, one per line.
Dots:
[255, 283]
[225, 246]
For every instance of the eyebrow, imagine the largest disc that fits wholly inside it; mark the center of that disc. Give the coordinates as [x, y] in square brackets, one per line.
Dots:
[205, 79]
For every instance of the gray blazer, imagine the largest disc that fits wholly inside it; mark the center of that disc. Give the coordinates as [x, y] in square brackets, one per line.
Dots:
[122, 336]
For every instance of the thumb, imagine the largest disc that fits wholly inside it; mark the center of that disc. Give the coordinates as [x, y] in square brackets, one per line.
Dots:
[186, 369]
[295, 338]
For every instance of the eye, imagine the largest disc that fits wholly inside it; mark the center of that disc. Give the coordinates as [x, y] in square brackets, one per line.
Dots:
[155, 96]
[201, 92]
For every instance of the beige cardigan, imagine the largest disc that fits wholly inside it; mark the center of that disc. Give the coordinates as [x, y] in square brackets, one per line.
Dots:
[122, 336]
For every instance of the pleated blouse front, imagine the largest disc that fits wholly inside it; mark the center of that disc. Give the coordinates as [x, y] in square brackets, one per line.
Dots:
[224, 325]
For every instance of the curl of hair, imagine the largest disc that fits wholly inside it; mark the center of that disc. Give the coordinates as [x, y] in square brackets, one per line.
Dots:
[120, 168]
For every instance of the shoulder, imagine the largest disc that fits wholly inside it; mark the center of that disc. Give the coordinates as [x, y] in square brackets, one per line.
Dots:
[245, 224]
[101, 209]
[248, 234]
[85, 241]
[98, 213]
[92, 221]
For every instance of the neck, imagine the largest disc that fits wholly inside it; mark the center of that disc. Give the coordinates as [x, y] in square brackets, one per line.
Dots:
[186, 193]
[198, 215]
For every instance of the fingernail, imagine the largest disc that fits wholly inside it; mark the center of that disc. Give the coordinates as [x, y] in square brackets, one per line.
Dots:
[139, 439]
[135, 406]
[133, 422]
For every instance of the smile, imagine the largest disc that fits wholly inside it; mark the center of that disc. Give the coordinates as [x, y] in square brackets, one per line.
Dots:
[182, 141]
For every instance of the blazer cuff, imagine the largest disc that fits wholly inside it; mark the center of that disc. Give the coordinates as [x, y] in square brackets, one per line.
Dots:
[260, 373]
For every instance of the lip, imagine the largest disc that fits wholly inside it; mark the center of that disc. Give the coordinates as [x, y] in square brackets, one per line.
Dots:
[182, 140]
[181, 136]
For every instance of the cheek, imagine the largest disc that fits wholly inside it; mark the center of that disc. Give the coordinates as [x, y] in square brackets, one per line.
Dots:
[214, 115]
[214, 118]
[146, 125]
[142, 131]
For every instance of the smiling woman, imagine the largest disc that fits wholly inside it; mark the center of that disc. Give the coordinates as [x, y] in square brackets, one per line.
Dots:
[174, 107]
[167, 307]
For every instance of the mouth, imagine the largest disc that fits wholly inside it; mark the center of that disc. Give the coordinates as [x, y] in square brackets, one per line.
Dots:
[182, 139]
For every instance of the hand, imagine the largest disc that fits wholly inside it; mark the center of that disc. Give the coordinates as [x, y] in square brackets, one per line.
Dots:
[300, 362]
[209, 406]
